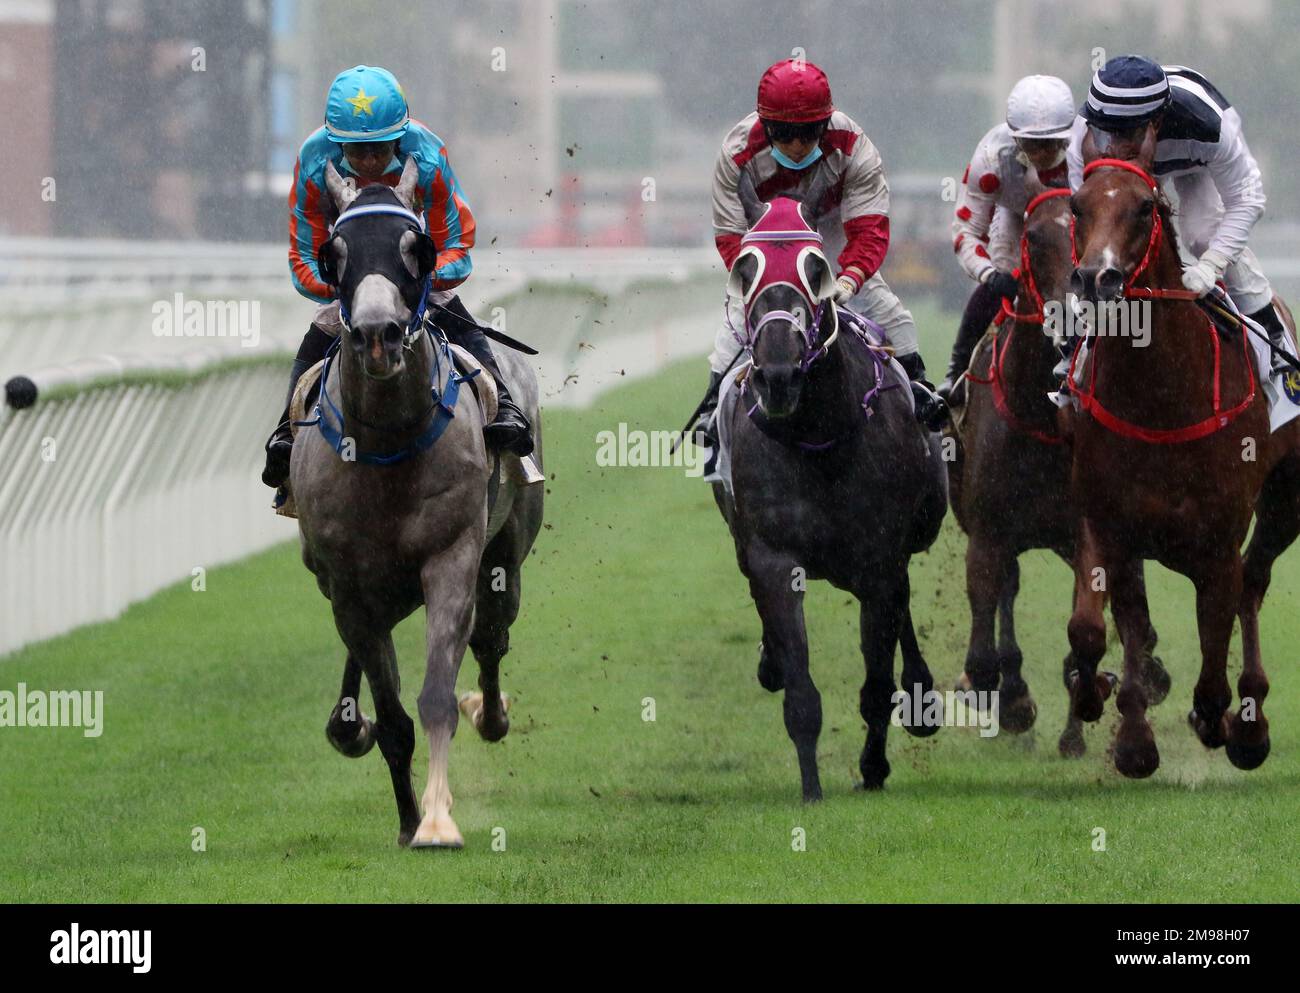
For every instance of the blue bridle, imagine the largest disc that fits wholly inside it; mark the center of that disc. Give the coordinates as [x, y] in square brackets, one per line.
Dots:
[416, 323]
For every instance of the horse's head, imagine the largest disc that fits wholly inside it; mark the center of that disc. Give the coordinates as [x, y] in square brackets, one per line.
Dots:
[1116, 214]
[379, 259]
[785, 285]
[1047, 238]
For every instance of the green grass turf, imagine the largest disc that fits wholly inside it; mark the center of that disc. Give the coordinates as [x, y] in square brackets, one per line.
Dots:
[216, 704]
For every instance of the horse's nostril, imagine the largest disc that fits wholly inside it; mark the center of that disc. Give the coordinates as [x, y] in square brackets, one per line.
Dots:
[1078, 283]
[1109, 282]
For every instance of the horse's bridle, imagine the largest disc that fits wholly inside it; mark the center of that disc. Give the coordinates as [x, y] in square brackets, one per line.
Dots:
[1219, 418]
[1153, 243]
[415, 326]
[812, 350]
[1026, 270]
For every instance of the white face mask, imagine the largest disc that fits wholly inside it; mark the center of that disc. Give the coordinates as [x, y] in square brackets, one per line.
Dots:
[1023, 159]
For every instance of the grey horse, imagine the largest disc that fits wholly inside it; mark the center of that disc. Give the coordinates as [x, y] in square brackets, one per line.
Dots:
[821, 490]
[390, 521]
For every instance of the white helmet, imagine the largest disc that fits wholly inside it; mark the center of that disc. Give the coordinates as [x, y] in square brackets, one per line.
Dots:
[1040, 107]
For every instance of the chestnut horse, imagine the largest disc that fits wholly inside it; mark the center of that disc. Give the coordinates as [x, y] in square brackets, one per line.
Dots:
[1010, 483]
[1171, 456]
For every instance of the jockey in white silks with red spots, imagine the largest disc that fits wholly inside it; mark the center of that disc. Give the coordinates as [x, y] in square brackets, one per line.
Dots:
[994, 192]
[1204, 168]
[796, 144]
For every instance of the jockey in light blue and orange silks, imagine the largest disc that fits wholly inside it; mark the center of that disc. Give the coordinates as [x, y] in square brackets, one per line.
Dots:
[438, 195]
[368, 136]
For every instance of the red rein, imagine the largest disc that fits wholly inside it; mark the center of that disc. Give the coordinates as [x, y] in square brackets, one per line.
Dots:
[1126, 429]
[995, 380]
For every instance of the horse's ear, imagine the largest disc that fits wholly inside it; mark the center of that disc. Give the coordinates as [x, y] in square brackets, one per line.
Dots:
[342, 191]
[817, 276]
[331, 259]
[1089, 147]
[1146, 156]
[743, 273]
[419, 253]
[405, 188]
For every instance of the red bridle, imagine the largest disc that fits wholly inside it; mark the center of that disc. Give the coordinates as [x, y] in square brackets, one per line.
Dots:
[1088, 398]
[998, 356]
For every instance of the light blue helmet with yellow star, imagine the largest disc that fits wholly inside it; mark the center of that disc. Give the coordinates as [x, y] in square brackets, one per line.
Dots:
[366, 103]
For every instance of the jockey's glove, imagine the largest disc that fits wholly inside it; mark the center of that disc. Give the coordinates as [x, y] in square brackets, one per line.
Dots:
[846, 288]
[1200, 278]
[1002, 284]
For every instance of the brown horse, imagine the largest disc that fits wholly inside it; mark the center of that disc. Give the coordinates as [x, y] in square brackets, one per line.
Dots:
[1172, 453]
[1010, 481]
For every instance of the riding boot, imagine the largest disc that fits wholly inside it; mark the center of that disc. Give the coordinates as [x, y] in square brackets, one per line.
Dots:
[1268, 319]
[704, 430]
[279, 446]
[510, 429]
[931, 409]
[981, 308]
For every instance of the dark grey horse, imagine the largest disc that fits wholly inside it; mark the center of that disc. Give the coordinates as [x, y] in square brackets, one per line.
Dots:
[384, 539]
[822, 491]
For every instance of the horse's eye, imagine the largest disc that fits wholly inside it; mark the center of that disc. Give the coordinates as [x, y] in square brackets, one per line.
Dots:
[1074, 207]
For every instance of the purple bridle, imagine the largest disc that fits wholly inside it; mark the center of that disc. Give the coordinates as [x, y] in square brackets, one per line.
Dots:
[858, 326]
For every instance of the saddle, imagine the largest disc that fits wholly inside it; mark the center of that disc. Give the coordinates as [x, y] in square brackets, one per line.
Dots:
[522, 471]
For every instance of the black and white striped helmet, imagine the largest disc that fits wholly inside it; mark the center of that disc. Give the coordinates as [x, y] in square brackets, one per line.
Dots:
[1128, 91]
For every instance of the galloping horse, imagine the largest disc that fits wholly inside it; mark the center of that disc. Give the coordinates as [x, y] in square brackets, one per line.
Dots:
[1010, 483]
[832, 479]
[1172, 453]
[402, 518]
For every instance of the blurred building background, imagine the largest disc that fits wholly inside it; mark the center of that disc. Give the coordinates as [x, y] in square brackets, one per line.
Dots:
[569, 122]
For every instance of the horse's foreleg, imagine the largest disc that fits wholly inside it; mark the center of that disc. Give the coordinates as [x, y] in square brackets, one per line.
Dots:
[778, 597]
[449, 583]
[1136, 755]
[1087, 627]
[1016, 708]
[883, 607]
[1218, 598]
[987, 567]
[348, 730]
[393, 729]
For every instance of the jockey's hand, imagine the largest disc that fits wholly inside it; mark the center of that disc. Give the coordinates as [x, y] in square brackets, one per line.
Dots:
[846, 288]
[1003, 284]
[1200, 278]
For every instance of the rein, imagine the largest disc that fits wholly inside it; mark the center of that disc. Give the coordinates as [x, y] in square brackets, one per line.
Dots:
[996, 379]
[1220, 418]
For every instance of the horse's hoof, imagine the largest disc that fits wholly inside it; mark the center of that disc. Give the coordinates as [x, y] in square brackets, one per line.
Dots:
[963, 684]
[1019, 715]
[873, 777]
[438, 832]
[1156, 681]
[1071, 745]
[356, 746]
[1090, 708]
[1243, 752]
[1137, 760]
[471, 705]
[921, 730]
[770, 676]
[1212, 734]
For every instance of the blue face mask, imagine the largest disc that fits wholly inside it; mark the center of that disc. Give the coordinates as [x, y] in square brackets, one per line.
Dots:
[790, 163]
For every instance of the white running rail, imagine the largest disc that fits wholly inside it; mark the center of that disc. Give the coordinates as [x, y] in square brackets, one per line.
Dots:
[134, 469]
